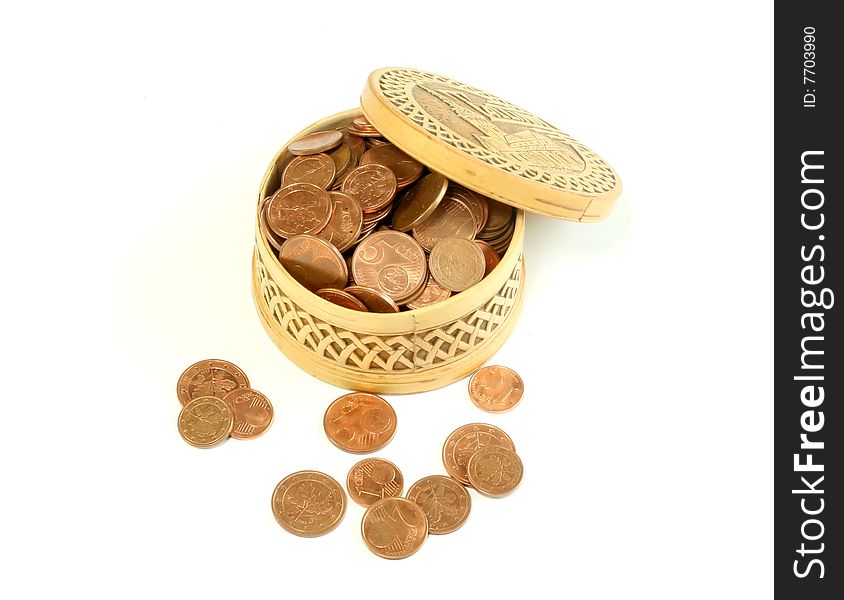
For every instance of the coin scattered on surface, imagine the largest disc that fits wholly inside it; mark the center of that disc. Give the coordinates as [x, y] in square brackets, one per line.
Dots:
[457, 263]
[313, 262]
[372, 479]
[205, 421]
[360, 422]
[319, 141]
[308, 503]
[494, 471]
[394, 528]
[252, 412]
[444, 501]
[210, 377]
[464, 441]
[495, 388]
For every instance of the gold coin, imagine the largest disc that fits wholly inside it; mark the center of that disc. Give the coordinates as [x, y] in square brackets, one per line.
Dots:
[496, 388]
[345, 224]
[205, 421]
[313, 143]
[359, 422]
[462, 443]
[308, 503]
[495, 471]
[299, 208]
[375, 300]
[394, 528]
[210, 377]
[457, 263]
[419, 202]
[444, 501]
[372, 479]
[253, 413]
[313, 262]
[317, 169]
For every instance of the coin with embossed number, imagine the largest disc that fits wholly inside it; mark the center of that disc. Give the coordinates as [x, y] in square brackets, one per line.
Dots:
[394, 528]
[253, 413]
[419, 202]
[457, 263]
[308, 503]
[372, 479]
[444, 501]
[495, 388]
[313, 143]
[345, 224]
[317, 169]
[313, 262]
[360, 422]
[494, 470]
[375, 300]
[210, 377]
[464, 441]
[205, 421]
[405, 168]
[391, 262]
[373, 186]
[342, 298]
[452, 218]
[299, 208]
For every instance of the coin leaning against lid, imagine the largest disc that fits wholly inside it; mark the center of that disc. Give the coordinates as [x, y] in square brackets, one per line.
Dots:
[252, 412]
[360, 422]
[299, 208]
[205, 421]
[444, 501]
[464, 441]
[210, 377]
[371, 479]
[495, 388]
[313, 143]
[308, 503]
[394, 528]
[457, 263]
[419, 202]
[494, 470]
[313, 262]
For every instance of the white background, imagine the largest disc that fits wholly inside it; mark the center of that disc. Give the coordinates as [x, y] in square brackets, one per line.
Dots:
[133, 140]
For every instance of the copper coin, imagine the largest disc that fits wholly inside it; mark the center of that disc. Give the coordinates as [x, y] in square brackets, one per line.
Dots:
[444, 501]
[205, 421]
[316, 142]
[374, 186]
[317, 169]
[362, 127]
[500, 215]
[457, 263]
[360, 422]
[394, 528]
[375, 300]
[452, 218]
[494, 471]
[496, 388]
[308, 503]
[355, 144]
[210, 377]
[345, 224]
[404, 167]
[419, 202]
[313, 262]
[372, 142]
[343, 160]
[491, 259]
[432, 294]
[372, 479]
[299, 208]
[476, 203]
[341, 298]
[390, 262]
[274, 239]
[464, 441]
[253, 413]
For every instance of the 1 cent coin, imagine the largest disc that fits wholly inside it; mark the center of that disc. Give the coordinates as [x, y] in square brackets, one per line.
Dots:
[253, 413]
[394, 528]
[299, 208]
[444, 501]
[457, 263]
[316, 142]
[496, 388]
[205, 421]
[360, 422]
[210, 377]
[495, 471]
[313, 262]
[308, 503]
[464, 441]
[419, 202]
[372, 479]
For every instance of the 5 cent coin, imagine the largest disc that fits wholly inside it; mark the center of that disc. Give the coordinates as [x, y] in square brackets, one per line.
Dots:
[360, 422]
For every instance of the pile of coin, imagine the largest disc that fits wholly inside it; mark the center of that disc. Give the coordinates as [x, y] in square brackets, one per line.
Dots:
[365, 226]
[477, 455]
[217, 403]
